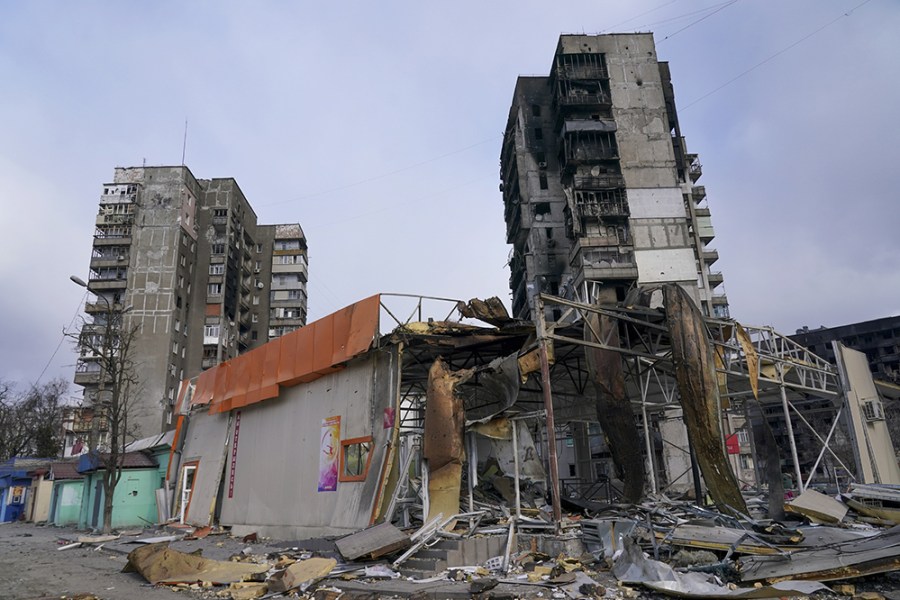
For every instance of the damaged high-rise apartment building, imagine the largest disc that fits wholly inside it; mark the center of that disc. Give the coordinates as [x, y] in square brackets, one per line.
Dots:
[597, 183]
[185, 261]
[601, 197]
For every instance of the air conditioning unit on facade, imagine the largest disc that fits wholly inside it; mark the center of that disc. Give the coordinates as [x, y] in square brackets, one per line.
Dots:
[542, 165]
[873, 410]
[259, 284]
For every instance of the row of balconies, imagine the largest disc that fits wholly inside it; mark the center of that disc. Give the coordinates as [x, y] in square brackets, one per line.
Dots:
[101, 307]
[573, 71]
[118, 198]
[613, 262]
[589, 99]
[299, 268]
[603, 181]
[610, 208]
[694, 166]
[113, 219]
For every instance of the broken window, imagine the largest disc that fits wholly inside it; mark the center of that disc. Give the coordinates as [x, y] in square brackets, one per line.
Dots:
[356, 454]
[536, 110]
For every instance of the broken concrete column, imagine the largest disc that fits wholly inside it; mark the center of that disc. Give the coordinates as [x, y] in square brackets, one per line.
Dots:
[444, 446]
[695, 372]
[613, 407]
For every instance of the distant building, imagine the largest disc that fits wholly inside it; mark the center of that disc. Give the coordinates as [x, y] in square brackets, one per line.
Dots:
[879, 339]
[597, 183]
[186, 261]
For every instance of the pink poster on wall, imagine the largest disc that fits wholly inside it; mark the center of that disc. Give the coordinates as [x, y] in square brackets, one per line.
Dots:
[329, 447]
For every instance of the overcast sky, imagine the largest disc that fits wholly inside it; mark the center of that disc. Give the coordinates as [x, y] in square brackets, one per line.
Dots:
[377, 126]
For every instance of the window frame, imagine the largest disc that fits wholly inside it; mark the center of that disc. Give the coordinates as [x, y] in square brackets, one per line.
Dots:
[342, 477]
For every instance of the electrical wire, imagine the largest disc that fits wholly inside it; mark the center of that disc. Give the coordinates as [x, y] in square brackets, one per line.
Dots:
[646, 12]
[683, 16]
[773, 56]
[61, 340]
[703, 18]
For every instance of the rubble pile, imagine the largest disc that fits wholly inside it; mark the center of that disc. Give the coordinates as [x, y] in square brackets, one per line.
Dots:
[660, 546]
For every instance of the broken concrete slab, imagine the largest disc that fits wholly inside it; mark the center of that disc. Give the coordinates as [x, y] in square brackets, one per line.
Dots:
[817, 507]
[373, 542]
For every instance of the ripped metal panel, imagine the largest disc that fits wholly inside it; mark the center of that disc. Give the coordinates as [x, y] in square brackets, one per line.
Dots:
[530, 466]
[490, 311]
[633, 567]
[497, 391]
[614, 410]
[695, 372]
[444, 445]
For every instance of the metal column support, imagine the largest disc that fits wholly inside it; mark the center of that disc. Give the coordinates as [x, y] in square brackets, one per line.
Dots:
[515, 443]
[825, 447]
[790, 428]
[541, 330]
[472, 461]
[651, 464]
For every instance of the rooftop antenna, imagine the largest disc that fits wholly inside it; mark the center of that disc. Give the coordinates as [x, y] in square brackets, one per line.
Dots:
[184, 143]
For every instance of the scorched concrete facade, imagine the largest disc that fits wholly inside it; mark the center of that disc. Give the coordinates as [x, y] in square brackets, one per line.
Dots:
[599, 190]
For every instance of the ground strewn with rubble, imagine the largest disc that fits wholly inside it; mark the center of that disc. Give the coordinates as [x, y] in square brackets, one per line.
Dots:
[49, 562]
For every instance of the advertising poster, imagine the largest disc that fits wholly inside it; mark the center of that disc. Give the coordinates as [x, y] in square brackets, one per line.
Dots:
[329, 447]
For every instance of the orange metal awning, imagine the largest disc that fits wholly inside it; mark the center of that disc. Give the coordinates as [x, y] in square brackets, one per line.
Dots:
[301, 356]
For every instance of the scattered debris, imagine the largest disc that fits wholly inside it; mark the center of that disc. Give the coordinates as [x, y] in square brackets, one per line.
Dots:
[632, 567]
[877, 501]
[70, 546]
[856, 558]
[96, 539]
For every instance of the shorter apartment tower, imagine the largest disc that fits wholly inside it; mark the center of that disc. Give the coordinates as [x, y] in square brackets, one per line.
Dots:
[598, 188]
[287, 297]
[185, 261]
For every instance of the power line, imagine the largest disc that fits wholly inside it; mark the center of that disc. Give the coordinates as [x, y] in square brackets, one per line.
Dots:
[61, 340]
[777, 54]
[684, 15]
[646, 12]
[703, 18]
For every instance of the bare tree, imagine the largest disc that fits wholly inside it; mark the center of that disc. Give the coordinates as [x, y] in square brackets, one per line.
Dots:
[31, 421]
[109, 344]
